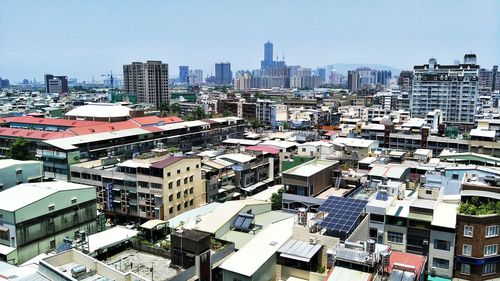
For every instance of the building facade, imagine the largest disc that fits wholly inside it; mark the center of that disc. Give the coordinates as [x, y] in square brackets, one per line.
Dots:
[56, 84]
[450, 88]
[149, 81]
[223, 74]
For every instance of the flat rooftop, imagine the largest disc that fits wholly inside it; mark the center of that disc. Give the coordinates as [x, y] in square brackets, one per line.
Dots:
[310, 168]
[141, 264]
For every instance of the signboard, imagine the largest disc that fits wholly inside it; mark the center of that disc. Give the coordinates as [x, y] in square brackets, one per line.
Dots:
[109, 188]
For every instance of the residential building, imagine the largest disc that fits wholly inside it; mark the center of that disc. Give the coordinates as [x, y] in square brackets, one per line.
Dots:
[353, 80]
[56, 84]
[148, 81]
[42, 215]
[478, 232]
[451, 88]
[14, 172]
[223, 74]
[405, 81]
[143, 189]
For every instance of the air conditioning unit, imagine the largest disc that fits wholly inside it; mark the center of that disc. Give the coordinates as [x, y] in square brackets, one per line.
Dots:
[313, 240]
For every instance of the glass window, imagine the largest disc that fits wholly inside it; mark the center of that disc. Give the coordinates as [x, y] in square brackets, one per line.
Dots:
[394, 237]
[441, 245]
[489, 268]
[465, 269]
[468, 230]
[490, 250]
[492, 231]
[441, 263]
[467, 250]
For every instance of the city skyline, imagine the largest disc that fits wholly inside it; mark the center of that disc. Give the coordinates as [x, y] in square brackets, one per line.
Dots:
[93, 40]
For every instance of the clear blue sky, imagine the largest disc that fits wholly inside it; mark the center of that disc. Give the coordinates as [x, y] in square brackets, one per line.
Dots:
[87, 38]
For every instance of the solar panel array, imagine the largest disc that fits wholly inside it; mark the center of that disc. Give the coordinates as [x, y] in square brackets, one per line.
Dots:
[382, 196]
[243, 221]
[343, 213]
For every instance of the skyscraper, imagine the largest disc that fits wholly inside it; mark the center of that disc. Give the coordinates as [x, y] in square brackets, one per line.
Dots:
[198, 76]
[56, 84]
[268, 61]
[183, 74]
[322, 74]
[451, 88]
[223, 74]
[353, 80]
[149, 81]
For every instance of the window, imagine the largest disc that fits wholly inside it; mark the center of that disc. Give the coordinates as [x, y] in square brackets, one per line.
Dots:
[171, 210]
[4, 234]
[191, 179]
[468, 230]
[178, 171]
[52, 244]
[394, 237]
[179, 207]
[490, 250]
[191, 190]
[492, 231]
[188, 168]
[441, 245]
[489, 268]
[428, 192]
[156, 185]
[170, 198]
[377, 218]
[185, 204]
[170, 185]
[178, 182]
[465, 269]
[168, 174]
[185, 180]
[73, 200]
[441, 263]
[466, 250]
[178, 195]
[197, 166]
[191, 202]
[51, 207]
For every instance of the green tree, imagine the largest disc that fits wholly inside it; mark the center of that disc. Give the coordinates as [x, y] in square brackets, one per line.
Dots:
[19, 150]
[197, 114]
[276, 200]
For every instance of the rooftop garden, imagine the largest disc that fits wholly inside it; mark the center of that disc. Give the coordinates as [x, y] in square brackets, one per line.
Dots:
[476, 207]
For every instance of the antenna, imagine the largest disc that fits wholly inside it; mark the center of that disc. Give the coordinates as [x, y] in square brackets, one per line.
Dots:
[283, 53]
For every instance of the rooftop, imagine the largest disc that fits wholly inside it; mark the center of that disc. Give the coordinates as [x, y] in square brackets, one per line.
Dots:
[110, 237]
[100, 110]
[353, 142]
[264, 245]
[310, 168]
[28, 193]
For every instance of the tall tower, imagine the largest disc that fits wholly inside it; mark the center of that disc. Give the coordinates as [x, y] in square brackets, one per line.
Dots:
[268, 51]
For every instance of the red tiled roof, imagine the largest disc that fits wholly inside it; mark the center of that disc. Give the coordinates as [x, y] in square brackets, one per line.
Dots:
[34, 134]
[264, 148]
[105, 127]
[416, 261]
[152, 129]
[153, 120]
[167, 162]
[49, 121]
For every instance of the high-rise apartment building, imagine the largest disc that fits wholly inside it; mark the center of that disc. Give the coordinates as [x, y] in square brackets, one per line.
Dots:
[383, 76]
[405, 81]
[353, 80]
[149, 81]
[198, 76]
[56, 84]
[223, 74]
[451, 88]
[183, 73]
[489, 80]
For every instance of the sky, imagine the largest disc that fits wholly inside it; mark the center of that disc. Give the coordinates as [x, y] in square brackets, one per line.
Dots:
[85, 39]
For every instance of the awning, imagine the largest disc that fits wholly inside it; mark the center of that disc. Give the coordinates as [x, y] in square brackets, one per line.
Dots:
[299, 250]
[5, 250]
[152, 224]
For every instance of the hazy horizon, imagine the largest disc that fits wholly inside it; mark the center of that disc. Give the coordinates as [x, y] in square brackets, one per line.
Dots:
[87, 39]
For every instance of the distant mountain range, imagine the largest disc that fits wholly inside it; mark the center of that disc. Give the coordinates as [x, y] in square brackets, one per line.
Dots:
[344, 67]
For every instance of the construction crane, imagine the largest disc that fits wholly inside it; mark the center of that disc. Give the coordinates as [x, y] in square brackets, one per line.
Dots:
[111, 78]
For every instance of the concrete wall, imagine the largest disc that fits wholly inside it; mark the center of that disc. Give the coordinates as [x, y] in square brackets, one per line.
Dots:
[436, 253]
[396, 246]
[362, 232]
[28, 170]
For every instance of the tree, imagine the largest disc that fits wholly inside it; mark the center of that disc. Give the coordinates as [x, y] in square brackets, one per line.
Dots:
[197, 114]
[19, 150]
[276, 200]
